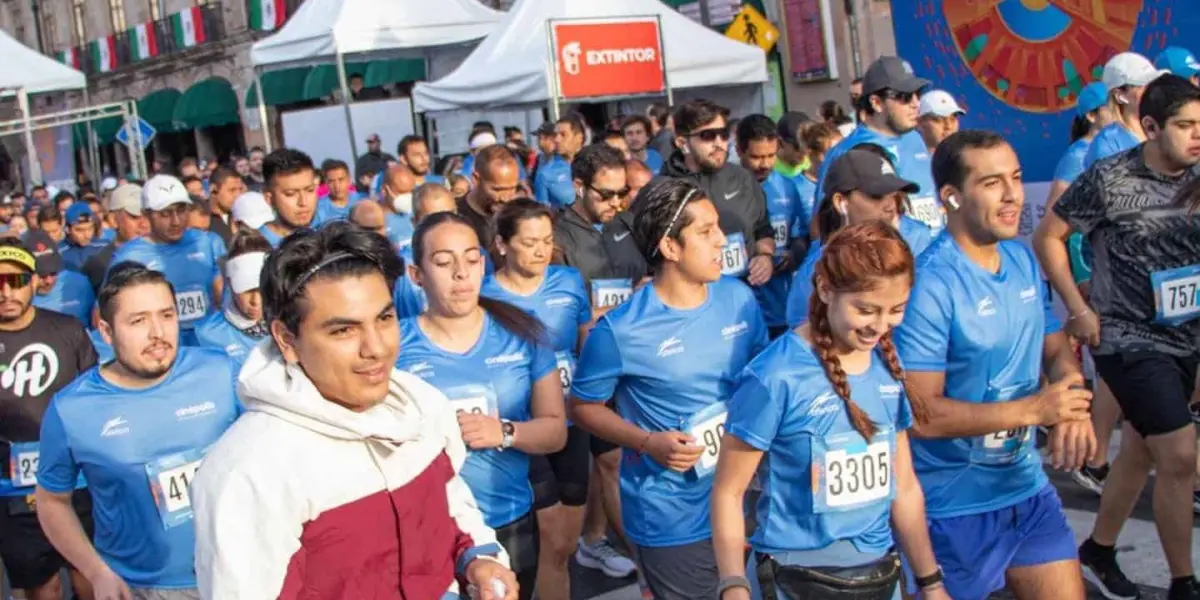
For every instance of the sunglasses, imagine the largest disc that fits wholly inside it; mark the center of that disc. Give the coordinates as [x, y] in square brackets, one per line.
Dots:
[15, 281]
[904, 97]
[606, 195]
[711, 135]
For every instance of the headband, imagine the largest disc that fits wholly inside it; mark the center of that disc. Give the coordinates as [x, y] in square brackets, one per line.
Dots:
[675, 218]
[18, 255]
[317, 268]
[245, 271]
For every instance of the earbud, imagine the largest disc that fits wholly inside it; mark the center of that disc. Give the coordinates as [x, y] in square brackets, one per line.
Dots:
[685, 150]
[952, 201]
[841, 208]
[1121, 99]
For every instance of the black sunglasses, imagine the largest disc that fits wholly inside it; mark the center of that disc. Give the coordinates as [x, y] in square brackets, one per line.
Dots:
[904, 97]
[607, 195]
[15, 281]
[711, 135]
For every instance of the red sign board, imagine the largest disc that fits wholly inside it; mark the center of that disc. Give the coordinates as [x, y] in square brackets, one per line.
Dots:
[608, 59]
[806, 40]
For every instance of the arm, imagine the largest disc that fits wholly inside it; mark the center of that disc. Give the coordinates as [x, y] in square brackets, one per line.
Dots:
[735, 469]
[546, 432]
[908, 512]
[949, 418]
[1058, 358]
[218, 292]
[1050, 244]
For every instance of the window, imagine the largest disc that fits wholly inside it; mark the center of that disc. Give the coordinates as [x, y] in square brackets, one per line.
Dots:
[78, 18]
[156, 9]
[116, 12]
[50, 30]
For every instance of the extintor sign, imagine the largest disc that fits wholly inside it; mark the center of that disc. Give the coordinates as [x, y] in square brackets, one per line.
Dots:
[600, 59]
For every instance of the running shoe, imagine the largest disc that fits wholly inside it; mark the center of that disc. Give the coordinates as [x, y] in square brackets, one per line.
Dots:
[1196, 501]
[603, 557]
[1100, 568]
[1187, 590]
[1091, 478]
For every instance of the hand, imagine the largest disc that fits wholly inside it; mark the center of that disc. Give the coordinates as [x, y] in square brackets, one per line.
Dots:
[481, 572]
[480, 432]
[761, 269]
[1084, 326]
[1072, 444]
[736, 593]
[1063, 400]
[109, 586]
[674, 449]
[935, 593]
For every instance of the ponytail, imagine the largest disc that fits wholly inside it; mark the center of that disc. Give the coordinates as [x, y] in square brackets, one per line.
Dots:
[515, 321]
[822, 337]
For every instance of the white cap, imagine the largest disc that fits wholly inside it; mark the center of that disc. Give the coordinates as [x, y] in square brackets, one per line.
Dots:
[1129, 68]
[52, 191]
[939, 103]
[109, 184]
[252, 209]
[481, 139]
[162, 191]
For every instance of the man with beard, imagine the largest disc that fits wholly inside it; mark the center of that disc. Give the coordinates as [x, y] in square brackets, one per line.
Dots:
[414, 154]
[291, 190]
[497, 181]
[889, 105]
[636, 130]
[42, 351]
[189, 258]
[702, 136]
[137, 429]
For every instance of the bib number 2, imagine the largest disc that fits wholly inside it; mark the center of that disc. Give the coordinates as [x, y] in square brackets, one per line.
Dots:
[23, 463]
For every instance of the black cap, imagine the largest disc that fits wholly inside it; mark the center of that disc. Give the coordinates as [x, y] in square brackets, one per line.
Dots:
[892, 73]
[546, 129]
[866, 172]
[45, 252]
[788, 124]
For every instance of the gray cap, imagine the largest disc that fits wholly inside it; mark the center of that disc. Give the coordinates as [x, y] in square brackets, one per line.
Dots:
[867, 172]
[127, 198]
[892, 73]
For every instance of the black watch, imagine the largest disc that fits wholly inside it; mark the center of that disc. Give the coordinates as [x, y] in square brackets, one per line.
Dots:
[929, 580]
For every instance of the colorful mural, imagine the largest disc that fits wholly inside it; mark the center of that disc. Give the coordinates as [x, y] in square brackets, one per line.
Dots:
[1017, 65]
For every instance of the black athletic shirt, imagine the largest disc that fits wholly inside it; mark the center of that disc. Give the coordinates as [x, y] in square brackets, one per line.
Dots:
[35, 363]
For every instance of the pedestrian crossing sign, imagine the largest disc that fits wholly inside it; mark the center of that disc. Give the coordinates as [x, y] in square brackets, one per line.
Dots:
[751, 27]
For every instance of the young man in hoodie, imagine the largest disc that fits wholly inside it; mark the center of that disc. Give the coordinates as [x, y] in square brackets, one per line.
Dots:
[341, 480]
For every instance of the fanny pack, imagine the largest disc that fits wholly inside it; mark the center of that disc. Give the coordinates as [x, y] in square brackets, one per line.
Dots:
[873, 581]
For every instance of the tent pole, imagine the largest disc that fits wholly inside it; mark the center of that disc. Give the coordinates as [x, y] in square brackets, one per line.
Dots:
[552, 71]
[93, 151]
[262, 112]
[35, 165]
[346, 99]
[662, 56]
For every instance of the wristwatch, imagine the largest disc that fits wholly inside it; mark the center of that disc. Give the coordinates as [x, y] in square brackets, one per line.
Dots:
[930, 580]
[509, 431]
[728, 583]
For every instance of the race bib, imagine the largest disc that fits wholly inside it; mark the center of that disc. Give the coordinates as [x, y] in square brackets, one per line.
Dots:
[926, 210]
[23, 463]
[849, 472]
[171, 484]
[707, 427]
[476, 405]
[191, 305]
[1175, 294]
[610, 292]
[733, 255]
[780, 229]
[1001, 447]
[566, 369]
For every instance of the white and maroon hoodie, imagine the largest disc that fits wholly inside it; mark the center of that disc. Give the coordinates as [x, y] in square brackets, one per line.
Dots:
[302, 498]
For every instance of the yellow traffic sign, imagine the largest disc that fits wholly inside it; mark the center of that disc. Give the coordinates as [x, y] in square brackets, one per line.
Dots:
[751, 27]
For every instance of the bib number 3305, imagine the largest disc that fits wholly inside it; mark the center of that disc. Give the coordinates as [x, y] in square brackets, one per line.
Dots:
[850, 472]
[171, 480]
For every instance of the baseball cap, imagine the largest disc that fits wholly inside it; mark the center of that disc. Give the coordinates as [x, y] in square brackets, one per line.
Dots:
[6, 200]
[109, 184]
[20, 255]
[374, 137]
[547, 128]
[1129, 68]
[252, 209]
[940, 104]
[788, 124]
[162, 191]
[128, 198]
[47, 260]
[79, 212]
[892, 73]
[1093, 96]
[866, 172]
[1179, 61]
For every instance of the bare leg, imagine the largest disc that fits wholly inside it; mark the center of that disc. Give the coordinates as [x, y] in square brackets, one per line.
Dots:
[1060, 580]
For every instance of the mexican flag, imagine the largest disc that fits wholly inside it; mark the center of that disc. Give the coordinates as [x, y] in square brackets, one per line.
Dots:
[266, 15]
[104, 54]
[189, 27]
[145, 39]
[69, 57]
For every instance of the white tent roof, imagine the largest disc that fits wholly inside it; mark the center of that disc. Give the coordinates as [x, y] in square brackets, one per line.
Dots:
[321, 28]
[24, 67]
[510, 67]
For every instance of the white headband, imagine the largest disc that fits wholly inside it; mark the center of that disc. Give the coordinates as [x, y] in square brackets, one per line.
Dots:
[245, 271]
[482, 139]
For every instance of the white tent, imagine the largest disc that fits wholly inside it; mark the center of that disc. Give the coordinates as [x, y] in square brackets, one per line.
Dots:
[26, 68]
[510, 67]
[364, 29]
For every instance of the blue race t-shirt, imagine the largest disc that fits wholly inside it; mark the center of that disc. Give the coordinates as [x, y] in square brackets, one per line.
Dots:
[139, 451]
[561, 304]
[406, 294]
[74, 256]
[1113, 139]
[985, 332]
[327, 211]
[1072, 162]
[671, 370]
[104, 352]
[495, 377]
[654, 161]
[553, 184]
[71, 295]
[272, 238]
[822, 482]
[784, 209]
[191, 265]
[399, 228]
[215, 331]
[806, 189]
[912, 161]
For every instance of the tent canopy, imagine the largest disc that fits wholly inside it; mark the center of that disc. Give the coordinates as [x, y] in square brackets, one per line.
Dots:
[24, 67]
[510, 67]
[369, 29]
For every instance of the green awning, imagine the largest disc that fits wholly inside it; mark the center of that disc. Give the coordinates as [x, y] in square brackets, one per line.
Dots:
[158, 109]
[386, 72]
[105, 130]
[282, 87]
[208, 103]
[324, 79]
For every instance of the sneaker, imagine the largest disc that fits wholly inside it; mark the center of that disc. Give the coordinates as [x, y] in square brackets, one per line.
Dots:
[603, 557]
[1100, 568]
[1196, 501]
[1186, 590]
[1091, 478]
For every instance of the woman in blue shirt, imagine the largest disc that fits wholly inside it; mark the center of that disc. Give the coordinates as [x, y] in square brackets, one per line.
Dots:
[557, 297]
[238, 327]
[496, 366]
[825, 406]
